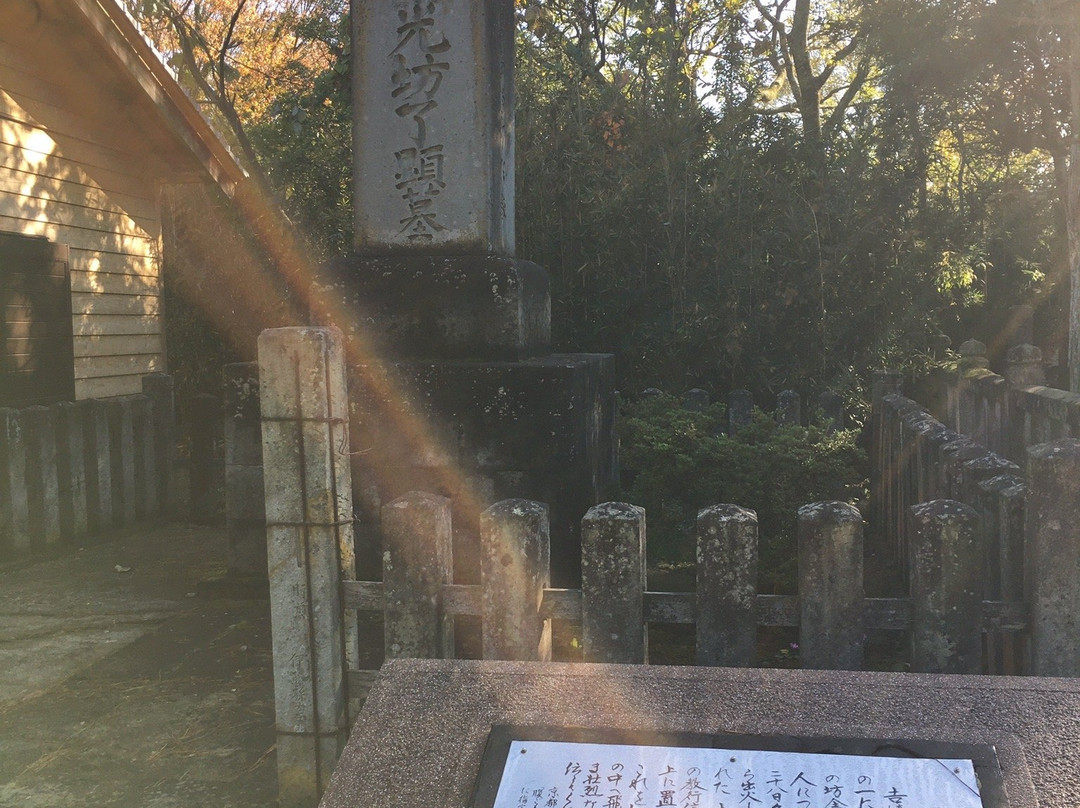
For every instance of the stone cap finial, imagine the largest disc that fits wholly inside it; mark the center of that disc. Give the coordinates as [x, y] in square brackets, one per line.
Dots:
[1024, 366]
[972, 347]
[973, 355]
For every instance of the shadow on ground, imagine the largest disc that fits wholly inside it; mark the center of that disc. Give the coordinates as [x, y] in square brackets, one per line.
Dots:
[123, 682]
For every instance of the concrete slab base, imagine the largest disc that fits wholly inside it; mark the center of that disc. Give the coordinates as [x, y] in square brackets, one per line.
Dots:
[420, 738]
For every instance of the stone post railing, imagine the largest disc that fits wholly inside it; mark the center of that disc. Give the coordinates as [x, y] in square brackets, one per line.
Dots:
[1052, 529]
[310, 550]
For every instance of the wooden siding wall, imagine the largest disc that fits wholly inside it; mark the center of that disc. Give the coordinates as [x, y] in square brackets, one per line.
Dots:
[62, 177]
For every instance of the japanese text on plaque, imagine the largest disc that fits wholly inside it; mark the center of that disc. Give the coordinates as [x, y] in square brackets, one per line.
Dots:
[419, 66]
[549, 774]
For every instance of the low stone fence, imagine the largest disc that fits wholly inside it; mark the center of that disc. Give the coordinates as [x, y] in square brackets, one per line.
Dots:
[916, 458]
[1007, 414]
[84, 467]
[315, 597]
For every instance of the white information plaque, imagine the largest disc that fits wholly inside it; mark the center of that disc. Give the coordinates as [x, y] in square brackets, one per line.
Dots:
[559, 774]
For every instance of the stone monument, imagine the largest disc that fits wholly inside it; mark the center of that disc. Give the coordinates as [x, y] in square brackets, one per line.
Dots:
[454, 386]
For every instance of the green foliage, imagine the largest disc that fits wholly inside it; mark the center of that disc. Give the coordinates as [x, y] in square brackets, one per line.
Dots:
[697, 236]
[305, 145]
[680, 463]
[691, 224]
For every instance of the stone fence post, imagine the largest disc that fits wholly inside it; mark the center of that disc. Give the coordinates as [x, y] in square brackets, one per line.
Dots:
[882, 437]
[979, 470]
[159, 388]
[1024, 366]
[417, 561]
[310, 549]
[515, 560]
[1000, 503]
[831, 636]
[245, 511]
[144, 457]
[946, 588]
[1052, 538]
[788, 408]
[71, 466]
[97, 444]
[14, 511]
[203, 428]
[122, 459]
[740, 410]
[613, 584]
[42, 482]
[727, 572]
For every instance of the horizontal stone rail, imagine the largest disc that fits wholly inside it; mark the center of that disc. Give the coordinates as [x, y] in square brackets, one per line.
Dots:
[1008, 414]
[1040, 414]
[680, 608]
[76, 468]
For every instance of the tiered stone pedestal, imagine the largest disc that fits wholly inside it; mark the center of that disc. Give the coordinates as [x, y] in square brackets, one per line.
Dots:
[454, 390]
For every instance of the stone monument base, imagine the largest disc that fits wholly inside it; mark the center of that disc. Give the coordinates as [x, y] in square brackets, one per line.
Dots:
[481, 431]
[420, 738]
[442, 307]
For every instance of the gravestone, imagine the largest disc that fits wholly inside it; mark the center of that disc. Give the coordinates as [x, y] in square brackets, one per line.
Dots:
[453, 385]
[448, 732]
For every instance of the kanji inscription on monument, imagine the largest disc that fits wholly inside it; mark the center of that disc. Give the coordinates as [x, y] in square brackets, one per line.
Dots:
[433, 125]
[557, 774]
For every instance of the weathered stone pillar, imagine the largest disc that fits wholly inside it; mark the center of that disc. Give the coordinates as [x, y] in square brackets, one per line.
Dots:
[97, 447]
[71, 466]
[954, 455]
[454, 378]
[613, 584]
[1024, 366]
[1052, 535]
[159, 388]
[973, 472]
[14, 509]
[946, 588]
[740, 410]
[695, 400]
[788, 408]
[203, 468]
[882, 437]
[42, 484]
[830, 536]
[417, 561]
[515, 560]
[727, 573]
[144, 457]
[245, 510]
[121, 459]
[1000, 504]
[309, 549]
[973, 355]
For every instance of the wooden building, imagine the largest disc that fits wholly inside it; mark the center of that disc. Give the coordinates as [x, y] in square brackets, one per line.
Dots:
[94, 131]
